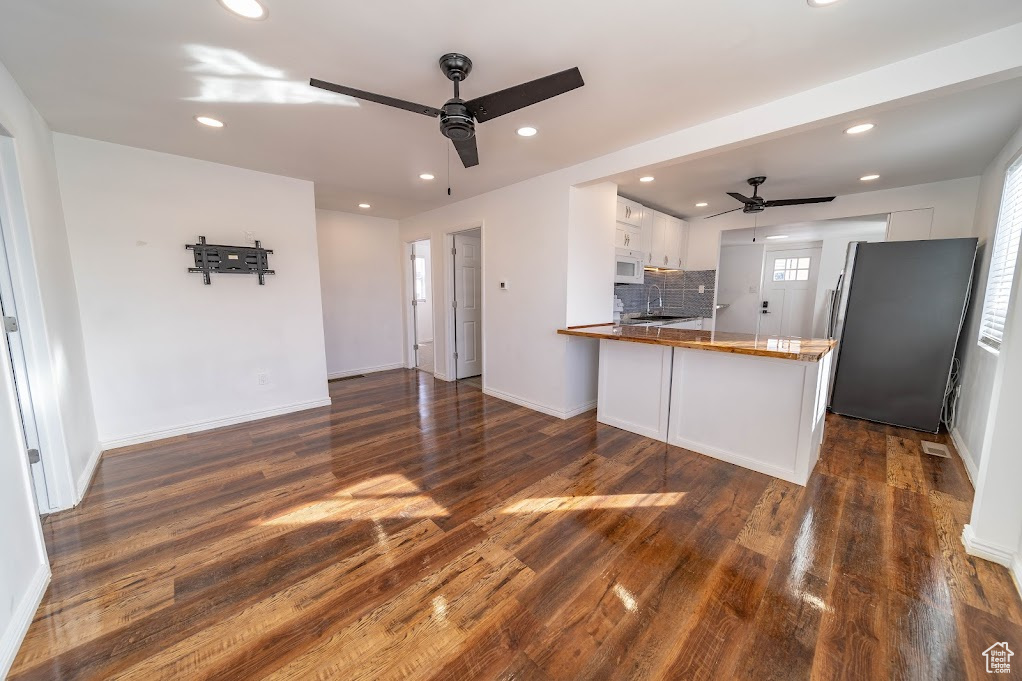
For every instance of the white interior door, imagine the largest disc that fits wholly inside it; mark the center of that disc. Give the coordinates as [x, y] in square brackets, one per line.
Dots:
[19, 368]
[468, 308]
[789, 292]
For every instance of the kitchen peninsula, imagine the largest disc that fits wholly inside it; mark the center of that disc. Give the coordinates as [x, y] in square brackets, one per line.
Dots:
[757, 402]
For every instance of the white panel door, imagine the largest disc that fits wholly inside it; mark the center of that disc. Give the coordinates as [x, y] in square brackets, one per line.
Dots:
[789, 292]
[468, 308]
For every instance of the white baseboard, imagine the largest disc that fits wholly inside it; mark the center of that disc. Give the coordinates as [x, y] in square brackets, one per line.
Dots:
[581, 409]
[737, 459]
[85, 479]
[965, 455]
[1016, 572]
[211, 424]
[21, 618]
[367, 370]
[442, 377]
[536, 406]
[995, 553]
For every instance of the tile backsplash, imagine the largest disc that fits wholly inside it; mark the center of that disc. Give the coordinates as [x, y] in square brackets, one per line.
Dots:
[680, 290]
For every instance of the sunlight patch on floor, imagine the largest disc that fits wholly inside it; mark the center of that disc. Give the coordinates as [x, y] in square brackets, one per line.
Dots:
[594, 501]
[382, 497]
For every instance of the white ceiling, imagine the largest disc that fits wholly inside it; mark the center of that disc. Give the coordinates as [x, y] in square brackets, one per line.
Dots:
[939, 138]
[137, 72]
[865, 227]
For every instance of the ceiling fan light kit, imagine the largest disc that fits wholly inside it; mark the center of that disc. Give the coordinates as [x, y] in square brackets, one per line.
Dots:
[458, 117]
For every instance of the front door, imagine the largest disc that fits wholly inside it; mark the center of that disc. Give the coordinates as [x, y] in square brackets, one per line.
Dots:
[789, 292]
[468, 308]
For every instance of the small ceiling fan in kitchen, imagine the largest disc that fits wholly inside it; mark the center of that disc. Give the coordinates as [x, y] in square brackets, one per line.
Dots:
[757, 204]
[459, 117]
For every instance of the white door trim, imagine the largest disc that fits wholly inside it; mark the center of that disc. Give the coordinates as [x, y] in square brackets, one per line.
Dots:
[60, 482]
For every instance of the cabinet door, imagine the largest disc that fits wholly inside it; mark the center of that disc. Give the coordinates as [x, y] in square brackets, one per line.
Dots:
[682, 253]
[646, 236]
[910, 225]
[659, 241]
[629, 212]
[673, 248]
[628, 237]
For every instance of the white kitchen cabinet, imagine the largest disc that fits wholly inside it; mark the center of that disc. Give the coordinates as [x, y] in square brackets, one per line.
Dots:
[646, 233]
[910, 225]
[628, 237]
[658, 240]
[668, 241]
[629, 212]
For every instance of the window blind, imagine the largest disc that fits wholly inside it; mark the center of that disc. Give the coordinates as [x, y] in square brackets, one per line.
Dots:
[1002, 260]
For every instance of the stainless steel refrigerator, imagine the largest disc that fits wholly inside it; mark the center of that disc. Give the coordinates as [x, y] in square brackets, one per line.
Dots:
[897, 312]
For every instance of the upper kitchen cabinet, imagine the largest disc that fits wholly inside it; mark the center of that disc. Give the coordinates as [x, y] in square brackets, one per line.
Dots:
[629, 237]
[668, 241]
[629, 212]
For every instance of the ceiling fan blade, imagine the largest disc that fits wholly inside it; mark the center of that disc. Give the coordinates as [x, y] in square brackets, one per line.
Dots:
[743, 199]
[724, 213]
[798, 202]
[520, 96]
[468, 151]
[372, 97]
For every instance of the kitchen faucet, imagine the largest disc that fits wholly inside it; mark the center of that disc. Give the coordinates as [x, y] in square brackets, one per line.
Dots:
[650, 291]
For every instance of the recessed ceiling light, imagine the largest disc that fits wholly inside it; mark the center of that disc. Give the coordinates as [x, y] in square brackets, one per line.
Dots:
[426, 176]
[702, 204]
[869, 178]
[364, 205]
[860, 128]
[647, 178]
[778, 236]
[211, 122]
[821, 3]
[250, 9]
[527, 131]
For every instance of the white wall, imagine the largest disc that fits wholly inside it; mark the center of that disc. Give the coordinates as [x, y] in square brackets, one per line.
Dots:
[953, 203]
[978, 364]
[167, 354]
[739, 278]
[361, 276]
[48, 304]
[524, 232]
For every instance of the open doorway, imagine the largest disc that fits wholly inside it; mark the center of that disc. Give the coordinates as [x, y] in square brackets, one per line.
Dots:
[467, 307]
[421, 276]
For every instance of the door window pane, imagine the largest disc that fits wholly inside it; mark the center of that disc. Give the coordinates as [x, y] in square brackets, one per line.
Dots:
[792, 269]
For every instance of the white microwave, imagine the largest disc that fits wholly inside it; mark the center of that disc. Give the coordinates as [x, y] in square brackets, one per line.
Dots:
[628, 267]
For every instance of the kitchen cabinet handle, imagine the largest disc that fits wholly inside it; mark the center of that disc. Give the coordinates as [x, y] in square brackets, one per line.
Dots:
[628, 239]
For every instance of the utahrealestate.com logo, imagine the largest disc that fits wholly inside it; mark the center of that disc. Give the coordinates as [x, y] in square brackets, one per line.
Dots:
[998, 658]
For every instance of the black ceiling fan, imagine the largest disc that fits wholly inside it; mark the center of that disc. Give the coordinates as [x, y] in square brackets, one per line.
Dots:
[458, 117]
[757, 204]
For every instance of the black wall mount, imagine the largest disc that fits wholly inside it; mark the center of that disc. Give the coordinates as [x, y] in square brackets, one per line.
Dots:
[230, 260]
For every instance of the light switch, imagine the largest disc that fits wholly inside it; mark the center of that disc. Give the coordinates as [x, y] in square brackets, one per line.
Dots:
[702, 289]
[505, 285]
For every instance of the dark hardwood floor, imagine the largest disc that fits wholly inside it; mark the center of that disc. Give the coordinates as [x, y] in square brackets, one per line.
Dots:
[418, 529]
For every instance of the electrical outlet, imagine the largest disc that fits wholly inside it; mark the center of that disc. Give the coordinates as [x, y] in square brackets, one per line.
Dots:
[249, 237]
[262, 378]
[702, 288]
[753, 290]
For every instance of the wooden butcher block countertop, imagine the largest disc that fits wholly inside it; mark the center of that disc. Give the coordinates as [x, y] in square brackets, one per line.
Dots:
[800, 349]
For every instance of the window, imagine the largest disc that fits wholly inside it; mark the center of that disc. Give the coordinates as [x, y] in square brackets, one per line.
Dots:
[791, 269]
[1002, 260]
[420, 279]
